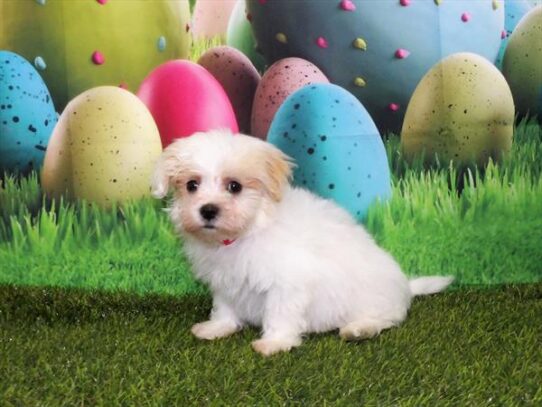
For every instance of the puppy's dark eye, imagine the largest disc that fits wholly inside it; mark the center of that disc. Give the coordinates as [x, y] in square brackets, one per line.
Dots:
[192, 186]
[234, 187]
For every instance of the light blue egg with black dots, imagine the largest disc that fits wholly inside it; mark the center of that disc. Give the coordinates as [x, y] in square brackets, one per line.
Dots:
[336, 145]
[27, 115]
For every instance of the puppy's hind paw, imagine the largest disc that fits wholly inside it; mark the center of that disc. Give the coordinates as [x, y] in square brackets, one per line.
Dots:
[364, 329]
[268, 347]
[210, 330]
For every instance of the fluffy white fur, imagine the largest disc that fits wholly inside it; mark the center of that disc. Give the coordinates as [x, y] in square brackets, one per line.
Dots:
[297, 264]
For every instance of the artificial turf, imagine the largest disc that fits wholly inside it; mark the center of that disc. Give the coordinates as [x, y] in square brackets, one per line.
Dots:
[472, 347]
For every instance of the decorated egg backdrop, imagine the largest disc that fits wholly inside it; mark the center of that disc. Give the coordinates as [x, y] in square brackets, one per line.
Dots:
[377, 50]
[27, 115]
[77, 45]
[103, 149]
[337, 148]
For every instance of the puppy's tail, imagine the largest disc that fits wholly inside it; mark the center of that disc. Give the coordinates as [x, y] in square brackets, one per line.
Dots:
[429, 285]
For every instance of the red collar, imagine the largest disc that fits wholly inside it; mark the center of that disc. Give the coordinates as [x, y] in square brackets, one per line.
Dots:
[227, 242]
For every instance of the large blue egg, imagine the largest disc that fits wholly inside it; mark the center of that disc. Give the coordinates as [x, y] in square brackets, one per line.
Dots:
[27, 115]
[337, 148]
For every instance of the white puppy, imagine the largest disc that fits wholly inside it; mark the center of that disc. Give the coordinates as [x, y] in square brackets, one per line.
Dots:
[276, 256]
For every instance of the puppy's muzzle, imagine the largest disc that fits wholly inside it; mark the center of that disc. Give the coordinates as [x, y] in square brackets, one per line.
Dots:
[209, 212]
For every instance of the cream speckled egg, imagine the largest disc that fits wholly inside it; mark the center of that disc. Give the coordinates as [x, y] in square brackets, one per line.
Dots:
[103, 148]
[462, 110]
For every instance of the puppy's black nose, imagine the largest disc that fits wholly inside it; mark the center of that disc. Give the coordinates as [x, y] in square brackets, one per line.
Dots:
[209, 211]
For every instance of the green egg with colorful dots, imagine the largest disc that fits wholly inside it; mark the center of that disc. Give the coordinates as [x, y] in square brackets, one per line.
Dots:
[241, 37]
[462, 111]
[88, 43]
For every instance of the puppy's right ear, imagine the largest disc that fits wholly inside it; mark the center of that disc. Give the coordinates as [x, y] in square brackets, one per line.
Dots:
[160, 179]
[166, 168]
[278, 168]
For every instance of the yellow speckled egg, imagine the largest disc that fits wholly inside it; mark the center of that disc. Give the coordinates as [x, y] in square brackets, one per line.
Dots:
[462, 110]
[103, 148]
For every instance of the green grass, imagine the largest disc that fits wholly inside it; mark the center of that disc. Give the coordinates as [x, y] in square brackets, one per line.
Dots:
[490, 233]
[67, 347]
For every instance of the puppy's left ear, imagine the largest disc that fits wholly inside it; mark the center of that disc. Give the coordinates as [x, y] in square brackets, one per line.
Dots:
[278, 168]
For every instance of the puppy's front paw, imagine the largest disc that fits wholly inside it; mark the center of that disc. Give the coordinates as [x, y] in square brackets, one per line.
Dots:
[268, 347]
[210, 330]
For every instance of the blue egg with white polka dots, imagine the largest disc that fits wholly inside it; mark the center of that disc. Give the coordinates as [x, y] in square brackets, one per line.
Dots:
[336, 145]
[27, 115]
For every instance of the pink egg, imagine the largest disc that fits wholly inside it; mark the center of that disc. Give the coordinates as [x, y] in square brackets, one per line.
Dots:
[184, 98]
[282, 79]
[238, 77]
[211, 18]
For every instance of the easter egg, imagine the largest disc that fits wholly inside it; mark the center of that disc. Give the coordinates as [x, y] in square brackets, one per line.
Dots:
[337, 148]
[377, 50]
[103, 148]
[83, 44]
[282, 79]
[27, 115]
[185, 98]
[210, 18]
[514, 10]
[522, 64]
[462, 110]
[240, 35]
[239, 78]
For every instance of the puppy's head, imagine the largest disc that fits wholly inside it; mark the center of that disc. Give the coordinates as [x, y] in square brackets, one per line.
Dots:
[222, 183]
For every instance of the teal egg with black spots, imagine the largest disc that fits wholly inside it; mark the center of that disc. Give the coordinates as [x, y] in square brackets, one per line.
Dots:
[336, 145]
[27, 115]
